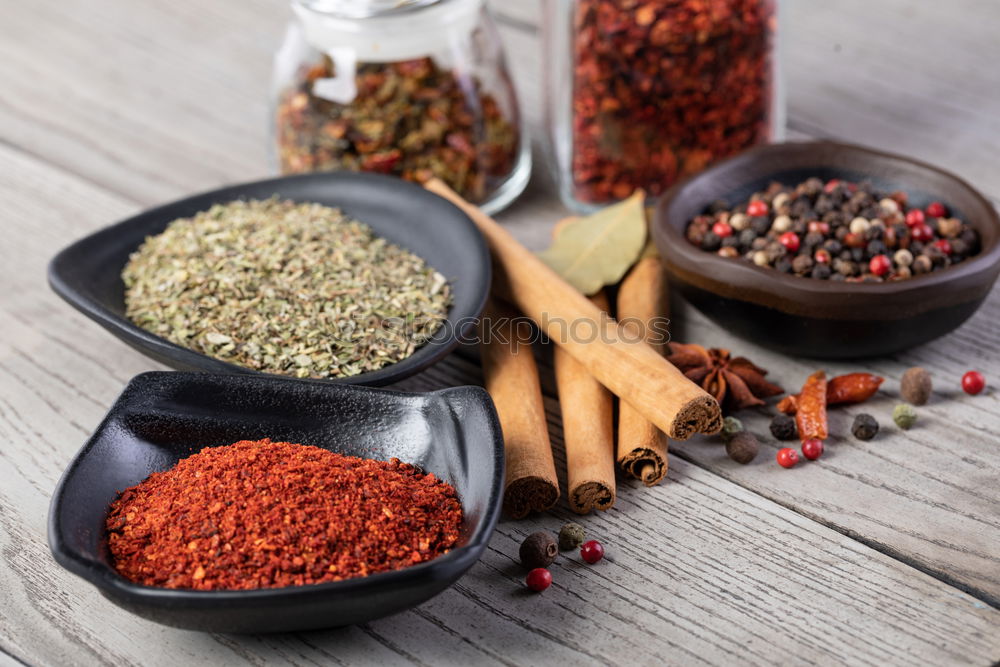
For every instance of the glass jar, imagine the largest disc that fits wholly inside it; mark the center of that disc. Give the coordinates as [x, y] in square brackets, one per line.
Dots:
[644, 92]
[412, 88]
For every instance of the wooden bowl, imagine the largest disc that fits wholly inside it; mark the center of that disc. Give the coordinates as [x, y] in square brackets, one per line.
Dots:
[821, 318]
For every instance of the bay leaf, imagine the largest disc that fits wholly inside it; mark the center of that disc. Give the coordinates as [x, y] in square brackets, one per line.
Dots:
[596, 250]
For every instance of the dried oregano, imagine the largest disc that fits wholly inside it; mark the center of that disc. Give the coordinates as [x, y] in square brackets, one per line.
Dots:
[281, 287]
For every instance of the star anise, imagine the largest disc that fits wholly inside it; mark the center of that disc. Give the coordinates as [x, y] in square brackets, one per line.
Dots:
[736, 383]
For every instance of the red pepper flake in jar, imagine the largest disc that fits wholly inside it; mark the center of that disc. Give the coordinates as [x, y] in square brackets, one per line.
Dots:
[663, 88]
[262, 514]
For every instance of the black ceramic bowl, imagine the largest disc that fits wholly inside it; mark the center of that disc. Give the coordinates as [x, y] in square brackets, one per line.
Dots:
[163, 417]
[87, 274]
[822, 318]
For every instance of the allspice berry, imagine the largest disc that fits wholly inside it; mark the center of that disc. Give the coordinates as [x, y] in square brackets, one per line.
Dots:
[742, 447]
[538, 550]
[915, 387]
[571, 536]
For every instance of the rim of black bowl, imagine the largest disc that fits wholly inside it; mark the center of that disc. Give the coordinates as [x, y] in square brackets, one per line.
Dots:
[105, 578]
[801, 295]
[456, 328]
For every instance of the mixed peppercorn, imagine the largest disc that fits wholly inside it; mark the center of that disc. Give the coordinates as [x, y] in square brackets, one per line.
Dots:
[803, 416]
[836, 230]
[539, 551]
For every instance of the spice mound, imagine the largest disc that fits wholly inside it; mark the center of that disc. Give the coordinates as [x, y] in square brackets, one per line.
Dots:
[262, 514]
[286, 288]
[412, 119]
[663, 88]
[836, 230]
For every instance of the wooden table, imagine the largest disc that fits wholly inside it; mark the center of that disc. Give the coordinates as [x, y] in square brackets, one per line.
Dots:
[885, 552]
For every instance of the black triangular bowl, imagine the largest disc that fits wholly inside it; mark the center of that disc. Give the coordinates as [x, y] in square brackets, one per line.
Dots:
[162, 417]
[87, 274]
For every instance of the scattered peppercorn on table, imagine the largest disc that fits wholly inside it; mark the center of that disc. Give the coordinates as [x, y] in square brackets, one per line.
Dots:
[885, 549]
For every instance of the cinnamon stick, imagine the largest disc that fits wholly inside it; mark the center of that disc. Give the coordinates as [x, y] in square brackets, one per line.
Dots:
[642, 298]
[633, 371]
[511, 378]
[588, 431]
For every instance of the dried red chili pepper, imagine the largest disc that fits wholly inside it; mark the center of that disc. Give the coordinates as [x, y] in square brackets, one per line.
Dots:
[662, 88]
[262, 514]
[811, 416]
[841, 390]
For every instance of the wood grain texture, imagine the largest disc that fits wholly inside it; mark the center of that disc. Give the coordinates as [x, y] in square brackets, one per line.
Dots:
[110, 106]
[699, 570]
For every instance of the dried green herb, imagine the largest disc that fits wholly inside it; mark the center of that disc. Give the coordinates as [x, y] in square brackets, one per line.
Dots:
[598, 249]
[412, 119]
[281, 287]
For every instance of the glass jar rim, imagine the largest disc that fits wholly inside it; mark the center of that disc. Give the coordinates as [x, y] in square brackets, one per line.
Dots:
[362, 9]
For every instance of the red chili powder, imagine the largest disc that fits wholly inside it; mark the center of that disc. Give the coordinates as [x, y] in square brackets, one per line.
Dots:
[262, 514]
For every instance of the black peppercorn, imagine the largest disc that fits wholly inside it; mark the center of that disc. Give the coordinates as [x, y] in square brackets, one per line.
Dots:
[876, 248]
[823, 204]
[821, 272]
[865, 427]
[760, 224]
[730, 242]
[783, 427]
[538, 550]
[813, 239]
[711, 242]
[783, 265]
[742, 447]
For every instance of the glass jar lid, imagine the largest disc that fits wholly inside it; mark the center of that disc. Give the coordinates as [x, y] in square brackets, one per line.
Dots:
[360, 9]
[385, 30]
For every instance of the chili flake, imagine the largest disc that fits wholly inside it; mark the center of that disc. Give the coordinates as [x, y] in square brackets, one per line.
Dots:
[663, 89]
[262, 514]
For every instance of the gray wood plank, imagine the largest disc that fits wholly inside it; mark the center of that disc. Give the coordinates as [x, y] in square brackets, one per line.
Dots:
[699, 570]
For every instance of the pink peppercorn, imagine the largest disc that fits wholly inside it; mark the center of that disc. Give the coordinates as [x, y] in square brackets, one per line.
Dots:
[722, 229]
[757, 208]
[538, 579]
[787, 457]
[812, 449]
[880, 265]
[591, 551]
[790, 240]
[936, 210]
[973, 382]
[922, 232]
[914, 217]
